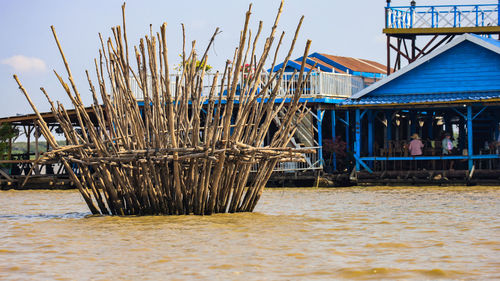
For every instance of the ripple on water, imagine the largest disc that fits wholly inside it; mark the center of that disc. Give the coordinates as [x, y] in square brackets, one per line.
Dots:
[377, 233]
[397, 273]
[7, 251]
[370, 273]
[387, 245]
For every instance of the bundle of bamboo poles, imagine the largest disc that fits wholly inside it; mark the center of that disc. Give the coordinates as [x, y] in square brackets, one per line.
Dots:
[182, 152]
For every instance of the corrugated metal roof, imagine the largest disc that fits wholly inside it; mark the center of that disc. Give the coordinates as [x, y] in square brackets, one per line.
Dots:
[360, 65]
[325, 64]
[422, 98]
[491, 44]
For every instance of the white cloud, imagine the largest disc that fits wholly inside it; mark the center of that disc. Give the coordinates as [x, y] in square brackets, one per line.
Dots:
[22, 63]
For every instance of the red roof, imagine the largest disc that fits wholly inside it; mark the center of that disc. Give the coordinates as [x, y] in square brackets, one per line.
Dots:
[325, 64]
[359, 65]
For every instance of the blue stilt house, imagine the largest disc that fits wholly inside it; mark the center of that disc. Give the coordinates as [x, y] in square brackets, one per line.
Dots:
[454, 89]
[333, 79]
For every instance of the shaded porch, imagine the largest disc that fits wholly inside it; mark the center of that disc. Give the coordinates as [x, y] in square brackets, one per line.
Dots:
[382, 137]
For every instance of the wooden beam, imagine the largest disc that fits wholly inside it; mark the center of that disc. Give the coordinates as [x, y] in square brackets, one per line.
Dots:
[6, 175]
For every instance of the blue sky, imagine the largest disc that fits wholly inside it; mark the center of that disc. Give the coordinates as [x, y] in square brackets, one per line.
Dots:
[346, 28]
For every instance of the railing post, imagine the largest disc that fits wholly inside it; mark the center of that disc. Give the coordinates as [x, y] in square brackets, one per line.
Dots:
[388, 14]
[386, 17]
[432, 17]
[477, 15]
[320, 84]
[412, 13]
[454, 16]
[411, 17]
[437, 19]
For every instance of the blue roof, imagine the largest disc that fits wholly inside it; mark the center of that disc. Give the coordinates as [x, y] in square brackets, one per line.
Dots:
[488, 40]
[467, 68]
[337, 64]
[423, 98]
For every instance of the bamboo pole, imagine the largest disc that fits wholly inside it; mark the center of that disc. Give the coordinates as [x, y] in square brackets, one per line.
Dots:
[183, 152]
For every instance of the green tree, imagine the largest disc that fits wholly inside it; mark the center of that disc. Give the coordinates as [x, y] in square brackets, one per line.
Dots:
[198, 65]
[7, 133]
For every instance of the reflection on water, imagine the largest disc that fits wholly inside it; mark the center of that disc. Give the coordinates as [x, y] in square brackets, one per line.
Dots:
[410, 233]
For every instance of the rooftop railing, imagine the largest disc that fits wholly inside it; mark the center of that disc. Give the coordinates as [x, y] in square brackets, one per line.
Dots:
[322, 84]
[442, 16]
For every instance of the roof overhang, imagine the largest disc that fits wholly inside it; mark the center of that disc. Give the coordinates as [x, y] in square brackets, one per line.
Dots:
[420, 61]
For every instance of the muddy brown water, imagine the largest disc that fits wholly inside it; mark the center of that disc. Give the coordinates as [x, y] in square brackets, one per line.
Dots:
[402, 233]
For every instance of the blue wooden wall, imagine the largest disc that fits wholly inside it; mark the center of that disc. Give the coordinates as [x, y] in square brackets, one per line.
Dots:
[463, 68]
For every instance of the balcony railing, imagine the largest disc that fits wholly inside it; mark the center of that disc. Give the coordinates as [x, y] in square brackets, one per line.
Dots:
[322, 84]
[442, 16]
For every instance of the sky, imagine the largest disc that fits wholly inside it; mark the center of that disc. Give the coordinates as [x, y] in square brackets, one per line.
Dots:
[350, 28]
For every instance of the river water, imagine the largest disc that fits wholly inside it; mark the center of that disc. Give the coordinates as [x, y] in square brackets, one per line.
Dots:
[409, 233]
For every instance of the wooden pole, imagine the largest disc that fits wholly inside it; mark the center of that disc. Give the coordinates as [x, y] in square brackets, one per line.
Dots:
[183, 152]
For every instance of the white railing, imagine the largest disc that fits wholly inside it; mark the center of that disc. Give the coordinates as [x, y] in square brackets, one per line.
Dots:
[318, 84]
[313, 162]
[139, 95]
[339, 85]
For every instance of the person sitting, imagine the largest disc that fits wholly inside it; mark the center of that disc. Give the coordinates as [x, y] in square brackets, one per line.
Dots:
[415, 147]
[447, 146]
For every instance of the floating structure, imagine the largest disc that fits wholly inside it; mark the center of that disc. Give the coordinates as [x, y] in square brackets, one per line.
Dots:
[23, 170]
[454, 90]
[341, 133]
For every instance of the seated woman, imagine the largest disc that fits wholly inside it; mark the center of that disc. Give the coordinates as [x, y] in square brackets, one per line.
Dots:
[415, 147]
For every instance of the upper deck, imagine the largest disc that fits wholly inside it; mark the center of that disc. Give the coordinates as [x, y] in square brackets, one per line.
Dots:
[318, 87]
[442, 19]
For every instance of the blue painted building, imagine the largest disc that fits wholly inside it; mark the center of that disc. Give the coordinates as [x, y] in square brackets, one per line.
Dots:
[333, 78]
[454, 89]
[370, 71]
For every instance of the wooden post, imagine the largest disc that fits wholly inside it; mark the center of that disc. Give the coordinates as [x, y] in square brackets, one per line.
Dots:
[413, 120]
[461, 134]
[28, 140]
[470, 146]
[334, 137]
[370, 135]
[388, 117]
[357, 147]
[430, 125]
[319, 123]
[347, 130]
[370, 132]
[37, 151]
[9, 151]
